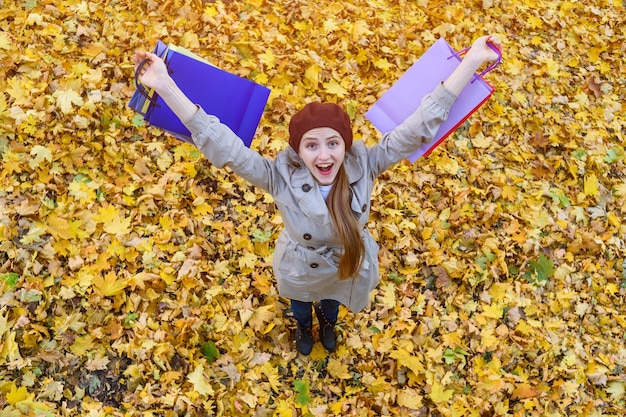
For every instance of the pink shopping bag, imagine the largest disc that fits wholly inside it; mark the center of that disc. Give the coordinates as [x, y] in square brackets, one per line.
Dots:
[238, 102]
[405, 96]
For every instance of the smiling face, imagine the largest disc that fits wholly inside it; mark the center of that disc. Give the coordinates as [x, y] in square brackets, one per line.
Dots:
[322, 149]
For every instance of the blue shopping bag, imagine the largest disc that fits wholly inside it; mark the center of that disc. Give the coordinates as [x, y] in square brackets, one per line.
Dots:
[238, 102]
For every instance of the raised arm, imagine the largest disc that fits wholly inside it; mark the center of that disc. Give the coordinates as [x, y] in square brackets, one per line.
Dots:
[153, 74]
[422, 125]
[216, 141]
[479, 54]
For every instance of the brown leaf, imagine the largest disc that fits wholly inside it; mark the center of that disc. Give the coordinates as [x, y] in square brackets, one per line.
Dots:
[524, 391]
[594, 86]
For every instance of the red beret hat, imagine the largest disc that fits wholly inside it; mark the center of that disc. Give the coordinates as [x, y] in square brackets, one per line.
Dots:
[319, 115]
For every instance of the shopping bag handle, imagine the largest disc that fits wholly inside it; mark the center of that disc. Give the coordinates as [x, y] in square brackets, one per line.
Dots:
[491, 66]
[141, 88]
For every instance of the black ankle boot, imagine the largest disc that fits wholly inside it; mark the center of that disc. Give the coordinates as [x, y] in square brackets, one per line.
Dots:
[327, 330]
[304, 339]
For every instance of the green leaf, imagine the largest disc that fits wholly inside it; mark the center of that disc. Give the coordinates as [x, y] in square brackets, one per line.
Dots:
[10, 279]
[261, 236]
[351, 109]
[29, 4]
[558, 196]
[395, 277]
[302, 388]
[579, 154]
[138, 120]
[450, 356]
[82, 178]
[614, 155]
[210, 351]
[30, 296]
[93, 384]
[540, 270]
[130, 319]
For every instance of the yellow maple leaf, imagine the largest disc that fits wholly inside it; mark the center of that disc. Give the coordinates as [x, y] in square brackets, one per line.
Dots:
[58, 227]
[67, 99]
[5, 41]
[493, 311]
[360, 28]
[199, 382]
[93, 49]
[268, 58]
[80, 68]
[591, 186]
[487, 339]
[617, 389]
[447, 164]
[82, 191]
[139, 280]
[17, 395]
[20, 91]
[330, 25]
[39, 154]
[249, 260]
[408, 360]
[114, 223]
[210, 10]
[119, 226]
[382, 63]
[109, 285]
[272, 375]
[524, 391]
[509, 193]
[337, 369]
[388, 299]
[439, 394]
[261, 316]
[535, 22]
[481, 141]
[333, 87]
[34, 234]
[514, 66]
[93, 76]
[409, 398]
[284, 409]
[312, 75]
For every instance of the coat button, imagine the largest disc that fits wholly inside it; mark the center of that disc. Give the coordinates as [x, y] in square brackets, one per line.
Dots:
[310, 247]
[307, 236]
[314, 265]
[306, 188]
[364, 208]
[296, 164]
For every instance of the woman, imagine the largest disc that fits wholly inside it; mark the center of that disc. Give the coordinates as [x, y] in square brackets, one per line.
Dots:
[322, 185]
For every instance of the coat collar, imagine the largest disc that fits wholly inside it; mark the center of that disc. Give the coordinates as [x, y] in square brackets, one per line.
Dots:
[305, 188]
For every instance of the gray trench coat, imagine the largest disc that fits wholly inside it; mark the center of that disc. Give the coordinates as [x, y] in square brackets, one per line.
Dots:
[307, 250]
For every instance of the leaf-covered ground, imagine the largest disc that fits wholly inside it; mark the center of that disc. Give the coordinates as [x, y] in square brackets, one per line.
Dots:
[135, 277]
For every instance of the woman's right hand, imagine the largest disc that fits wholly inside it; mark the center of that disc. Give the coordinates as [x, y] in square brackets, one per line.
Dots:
[153, 72]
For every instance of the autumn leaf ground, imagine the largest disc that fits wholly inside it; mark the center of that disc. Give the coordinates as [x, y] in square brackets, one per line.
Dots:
[135, 277]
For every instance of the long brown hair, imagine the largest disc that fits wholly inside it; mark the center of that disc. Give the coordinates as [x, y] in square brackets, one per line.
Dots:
[347, 226]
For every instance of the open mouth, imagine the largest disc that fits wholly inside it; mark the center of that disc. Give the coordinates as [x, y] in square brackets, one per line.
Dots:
[324, 169]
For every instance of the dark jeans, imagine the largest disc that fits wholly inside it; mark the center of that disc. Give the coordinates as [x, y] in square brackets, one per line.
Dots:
[303, 314]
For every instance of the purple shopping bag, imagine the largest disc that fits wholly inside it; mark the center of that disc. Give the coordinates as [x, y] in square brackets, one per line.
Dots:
[238, 102]
[405, 96]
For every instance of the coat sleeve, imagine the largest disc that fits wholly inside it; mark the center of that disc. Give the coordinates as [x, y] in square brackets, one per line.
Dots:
[224, 148]
[420, 127]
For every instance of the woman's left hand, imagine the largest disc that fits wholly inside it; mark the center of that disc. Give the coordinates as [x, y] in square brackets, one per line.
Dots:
[482, 52]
